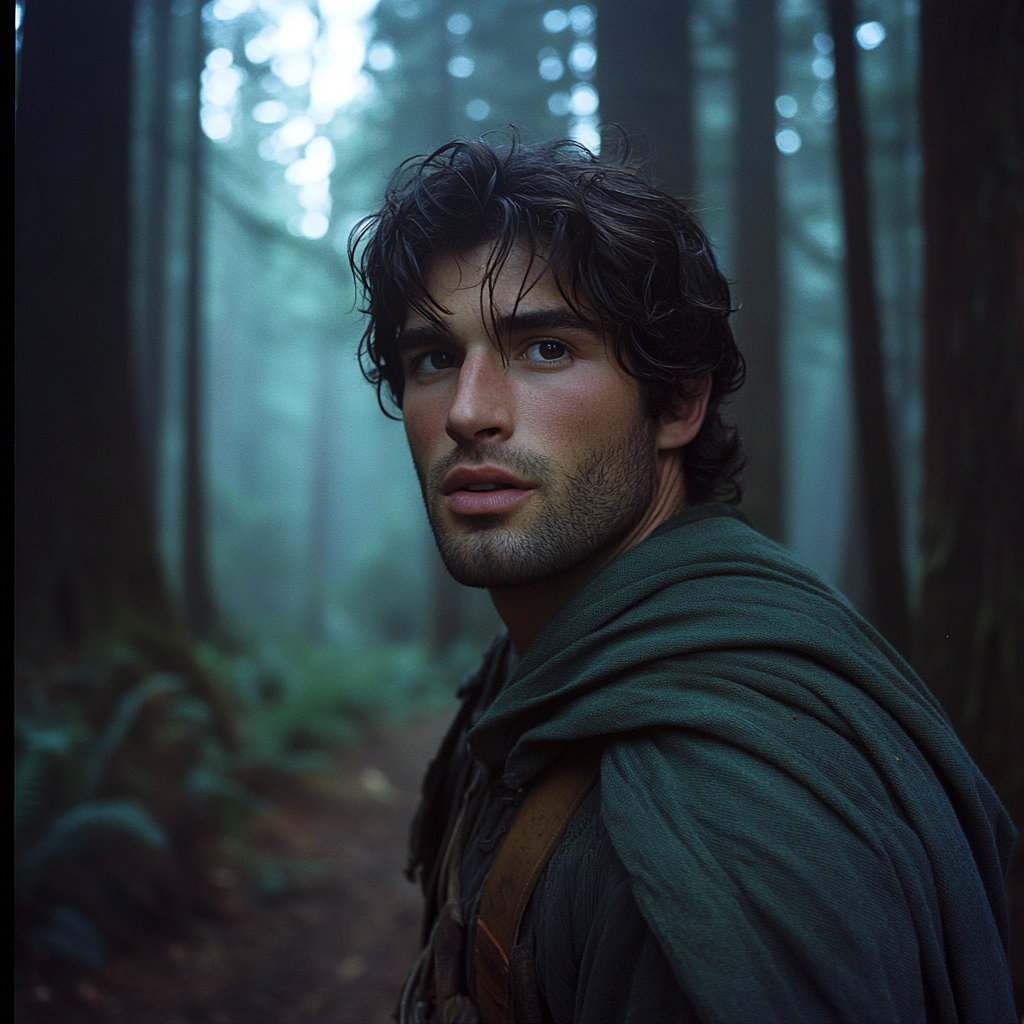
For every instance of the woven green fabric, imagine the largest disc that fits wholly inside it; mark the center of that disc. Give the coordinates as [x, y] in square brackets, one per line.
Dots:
[802, 829]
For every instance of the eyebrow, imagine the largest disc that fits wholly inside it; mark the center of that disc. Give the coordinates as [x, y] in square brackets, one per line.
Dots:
[530, 320]
[535, 319]
[415, 337]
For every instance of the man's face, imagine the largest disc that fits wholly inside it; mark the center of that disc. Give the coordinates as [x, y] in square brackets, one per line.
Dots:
[530, 466]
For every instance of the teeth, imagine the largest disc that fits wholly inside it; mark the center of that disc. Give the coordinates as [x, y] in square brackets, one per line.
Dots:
[484, 487]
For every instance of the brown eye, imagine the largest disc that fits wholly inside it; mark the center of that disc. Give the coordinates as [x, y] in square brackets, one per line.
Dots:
[438, 360]
[547, 351]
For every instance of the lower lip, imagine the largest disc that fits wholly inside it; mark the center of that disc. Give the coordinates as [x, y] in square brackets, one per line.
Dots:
[483, 503]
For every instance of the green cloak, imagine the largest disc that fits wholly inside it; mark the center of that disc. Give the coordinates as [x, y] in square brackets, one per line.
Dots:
[800, 825]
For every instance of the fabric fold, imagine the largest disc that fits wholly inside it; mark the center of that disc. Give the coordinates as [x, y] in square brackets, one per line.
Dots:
[802, 829]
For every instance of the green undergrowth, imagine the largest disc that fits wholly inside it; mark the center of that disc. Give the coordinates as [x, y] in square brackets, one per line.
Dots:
[104, 754]
[130, 787]
[295, 705]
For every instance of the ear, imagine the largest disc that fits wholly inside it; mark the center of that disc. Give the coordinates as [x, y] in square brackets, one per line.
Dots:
[680, 424]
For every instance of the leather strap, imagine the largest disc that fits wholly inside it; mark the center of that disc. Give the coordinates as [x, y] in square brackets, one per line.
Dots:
[534, 836]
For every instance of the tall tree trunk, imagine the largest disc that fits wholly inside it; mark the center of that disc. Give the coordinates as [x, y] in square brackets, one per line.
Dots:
[757, 263]
[324, 456]
[970, 631]
[199, 605]
[89, 585]
[87, 571]
[881, 509]
[645, 74]
[151, 342]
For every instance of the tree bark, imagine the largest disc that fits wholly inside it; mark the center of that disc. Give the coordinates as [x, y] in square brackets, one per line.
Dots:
[151, 341]
[875, 452]
[645, 76]
[970, 631]
[199, 603]
[757, 290]
[87, 571]
[324, 455]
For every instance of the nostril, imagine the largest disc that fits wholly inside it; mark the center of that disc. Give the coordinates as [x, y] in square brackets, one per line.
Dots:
[483, 434]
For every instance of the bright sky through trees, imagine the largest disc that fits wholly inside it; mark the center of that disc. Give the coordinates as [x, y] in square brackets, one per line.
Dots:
[581, 100]
[823, 103]
[318, 59]
[318, 56]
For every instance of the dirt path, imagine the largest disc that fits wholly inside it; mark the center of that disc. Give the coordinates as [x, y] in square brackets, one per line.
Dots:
[331, 947]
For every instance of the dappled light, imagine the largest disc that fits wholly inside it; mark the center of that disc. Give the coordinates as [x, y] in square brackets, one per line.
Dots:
[317, 59]
[824, 102]
[459, 24]
[461, 66]
[583, 100]
[556, 20]
[582, 58]
[550, 64]
[870, 34]
[786, 106]
[381, 57]
[823, 67]
[788, 141]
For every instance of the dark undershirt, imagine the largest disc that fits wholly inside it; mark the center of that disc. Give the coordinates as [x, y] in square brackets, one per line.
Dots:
[596, 959]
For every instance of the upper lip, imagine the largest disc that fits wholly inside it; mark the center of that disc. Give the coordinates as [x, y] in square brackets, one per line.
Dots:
[463, 476]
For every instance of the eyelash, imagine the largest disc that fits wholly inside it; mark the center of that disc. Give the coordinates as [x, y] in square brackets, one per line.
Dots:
[550, 341]
[419, 363]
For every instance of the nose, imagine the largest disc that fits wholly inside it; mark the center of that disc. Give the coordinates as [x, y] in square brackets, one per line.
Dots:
[481, 408]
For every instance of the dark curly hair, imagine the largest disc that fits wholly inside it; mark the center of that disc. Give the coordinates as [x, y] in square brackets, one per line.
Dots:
[617, 245]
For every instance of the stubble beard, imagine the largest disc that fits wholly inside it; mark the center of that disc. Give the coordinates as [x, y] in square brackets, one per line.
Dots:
[575, 516]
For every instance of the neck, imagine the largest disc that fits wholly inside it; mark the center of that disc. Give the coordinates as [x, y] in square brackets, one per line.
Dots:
[527, 609]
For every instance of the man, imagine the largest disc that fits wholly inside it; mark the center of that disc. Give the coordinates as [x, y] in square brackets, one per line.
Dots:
[778, 823]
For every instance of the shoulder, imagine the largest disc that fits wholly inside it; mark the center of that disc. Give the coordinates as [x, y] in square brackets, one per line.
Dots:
[779, 867]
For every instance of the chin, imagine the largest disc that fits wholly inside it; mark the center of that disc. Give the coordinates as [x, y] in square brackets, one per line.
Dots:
[495, 558]
[560, 531]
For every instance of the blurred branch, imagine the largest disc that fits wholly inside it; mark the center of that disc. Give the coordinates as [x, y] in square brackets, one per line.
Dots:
[270, 231]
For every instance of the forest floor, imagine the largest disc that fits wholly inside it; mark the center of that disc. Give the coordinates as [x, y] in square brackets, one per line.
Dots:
[331, 945]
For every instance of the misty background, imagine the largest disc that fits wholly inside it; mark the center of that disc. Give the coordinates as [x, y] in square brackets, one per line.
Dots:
[313, 526]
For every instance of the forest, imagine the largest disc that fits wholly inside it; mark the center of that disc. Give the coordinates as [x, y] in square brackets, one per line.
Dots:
[233, 634]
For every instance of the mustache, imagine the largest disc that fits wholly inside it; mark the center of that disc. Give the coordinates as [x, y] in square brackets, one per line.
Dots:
[521, 463]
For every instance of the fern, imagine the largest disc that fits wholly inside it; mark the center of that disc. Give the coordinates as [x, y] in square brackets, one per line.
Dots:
[206, 782]
[60, 768]
[71, 934]
[41, 747]
[127, 710]
[77, 830]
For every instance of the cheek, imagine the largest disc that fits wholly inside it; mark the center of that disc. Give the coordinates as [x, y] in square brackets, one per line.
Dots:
[424, 427]
[425, 410]
[582, 412]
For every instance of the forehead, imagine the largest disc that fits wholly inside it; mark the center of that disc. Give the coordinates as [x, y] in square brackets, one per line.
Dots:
[492, 283]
